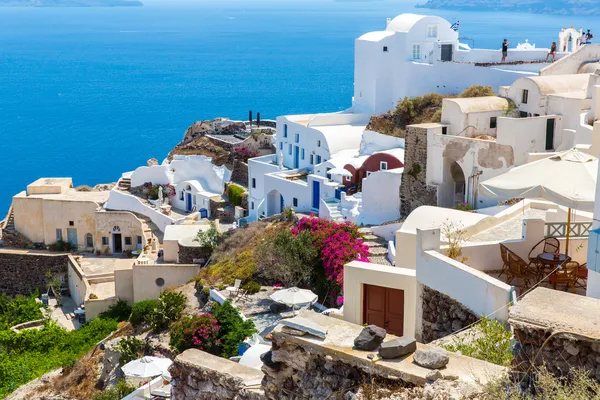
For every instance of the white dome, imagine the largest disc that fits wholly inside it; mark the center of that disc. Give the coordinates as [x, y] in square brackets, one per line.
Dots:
[404, 22]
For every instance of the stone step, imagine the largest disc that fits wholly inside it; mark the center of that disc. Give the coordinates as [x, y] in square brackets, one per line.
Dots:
[369, 236]
[365, 231]
[378, 251]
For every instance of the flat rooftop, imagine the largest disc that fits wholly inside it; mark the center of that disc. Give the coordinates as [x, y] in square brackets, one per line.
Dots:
[339, 343]
[69, 195]
[176, 232]
[554, 311]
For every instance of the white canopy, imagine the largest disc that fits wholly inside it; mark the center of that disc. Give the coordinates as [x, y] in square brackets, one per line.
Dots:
[147, 367]
[567, 179]
[293, 296]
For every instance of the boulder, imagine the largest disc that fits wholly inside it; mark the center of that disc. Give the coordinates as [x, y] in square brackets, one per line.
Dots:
[370, 338]
[435, 358]
[434, 375]
[398, 347]
[267, 359]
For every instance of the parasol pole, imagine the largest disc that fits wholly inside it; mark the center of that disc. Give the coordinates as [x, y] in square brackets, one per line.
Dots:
[568, 230]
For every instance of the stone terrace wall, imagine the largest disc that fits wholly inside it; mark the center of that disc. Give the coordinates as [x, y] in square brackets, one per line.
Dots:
[187, 255]
[24, 273]
[240, 173]
[199, 375]
[443, 315]
[414, 191]
[560, 354]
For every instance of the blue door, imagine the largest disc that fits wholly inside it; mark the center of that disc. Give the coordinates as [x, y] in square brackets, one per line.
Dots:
[296, 156]
[189, 202]
[316, 194]
[338, 194]
[203, 213]
[281, 205]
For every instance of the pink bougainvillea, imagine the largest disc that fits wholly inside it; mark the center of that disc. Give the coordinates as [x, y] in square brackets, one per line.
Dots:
[199, 331]
[245, 152]
[338, 244]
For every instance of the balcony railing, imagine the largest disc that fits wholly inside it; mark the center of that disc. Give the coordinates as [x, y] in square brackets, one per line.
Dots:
[559, 229]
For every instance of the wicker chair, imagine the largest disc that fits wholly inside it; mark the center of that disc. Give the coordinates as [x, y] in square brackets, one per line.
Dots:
[582, 275]
[504, 254]
[519, 268]
[566, 276]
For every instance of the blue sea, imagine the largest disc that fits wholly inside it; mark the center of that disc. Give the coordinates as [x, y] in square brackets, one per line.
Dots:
[93, 92]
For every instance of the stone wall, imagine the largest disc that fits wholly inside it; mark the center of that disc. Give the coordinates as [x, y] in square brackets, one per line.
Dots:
[187, 255]
[240, 173]
[442, 315]
[558, 330]
[200, 375]
[560, 354]
[414, 191]
[24, 273]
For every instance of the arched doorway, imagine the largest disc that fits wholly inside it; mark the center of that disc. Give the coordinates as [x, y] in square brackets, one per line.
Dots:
[459, 183]
[274, 203]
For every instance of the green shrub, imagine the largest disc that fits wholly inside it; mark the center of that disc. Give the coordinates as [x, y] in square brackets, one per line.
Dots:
[199, 332]
[240, 266]
[119, 311]
[117, 392]
[130, 348]
[168, 310]
[19, 309]
[287, 258]
[251, 287]
[235, 194]
[478, 91]
[210, 238]
[61, 245]
[141, 312]
[491, 342]
[30, 354]
[232, 328]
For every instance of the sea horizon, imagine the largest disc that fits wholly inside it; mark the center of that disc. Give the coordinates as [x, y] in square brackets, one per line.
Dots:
[91, 93]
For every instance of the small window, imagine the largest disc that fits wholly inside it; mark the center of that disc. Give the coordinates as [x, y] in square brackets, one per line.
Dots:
[140, 240]
[181, 195]
[522, 114]
[104, 241]
[369, 173]
[385, 49]
[383, 165]
[318, 159]
[89, 240]
[416, 52]
[297, 138]
[280, 145]
[160, 282]
[432, 31]
[312, 159]
[116, 228]
[444, 130]
[302, 154]
[71, 223]
[127, 240]
[58, 234]
[253, 183]
[525, 96]
[285, 130]
[493, 122]
[252, 205]
[295, 202]
[289, 148]
[318, 143]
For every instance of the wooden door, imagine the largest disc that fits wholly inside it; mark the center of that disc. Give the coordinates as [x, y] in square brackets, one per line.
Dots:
[384, 307]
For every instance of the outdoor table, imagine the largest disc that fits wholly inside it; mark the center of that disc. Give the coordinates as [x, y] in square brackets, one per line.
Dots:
[548, 260]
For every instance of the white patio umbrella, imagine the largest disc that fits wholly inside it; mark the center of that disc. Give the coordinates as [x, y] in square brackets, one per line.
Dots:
[340, 171]
[567, 179]
[147, 367]
[293, 296]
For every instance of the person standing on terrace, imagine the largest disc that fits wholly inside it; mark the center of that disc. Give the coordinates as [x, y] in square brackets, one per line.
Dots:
[505, 45]
[587, 38]
[552, 52]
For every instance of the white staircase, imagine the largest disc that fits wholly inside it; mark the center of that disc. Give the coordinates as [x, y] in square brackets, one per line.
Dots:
[335, 210]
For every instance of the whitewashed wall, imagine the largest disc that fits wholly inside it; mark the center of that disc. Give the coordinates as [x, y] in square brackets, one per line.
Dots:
[157, 174]
[474, 289]
[78, 285]
[202, 169]
[126, 202]
[381, 197]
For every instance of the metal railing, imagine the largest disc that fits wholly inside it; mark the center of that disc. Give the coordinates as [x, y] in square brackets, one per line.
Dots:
[559, 229]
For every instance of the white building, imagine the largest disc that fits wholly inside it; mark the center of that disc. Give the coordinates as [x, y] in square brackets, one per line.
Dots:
[418, 54]
[303, 142]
